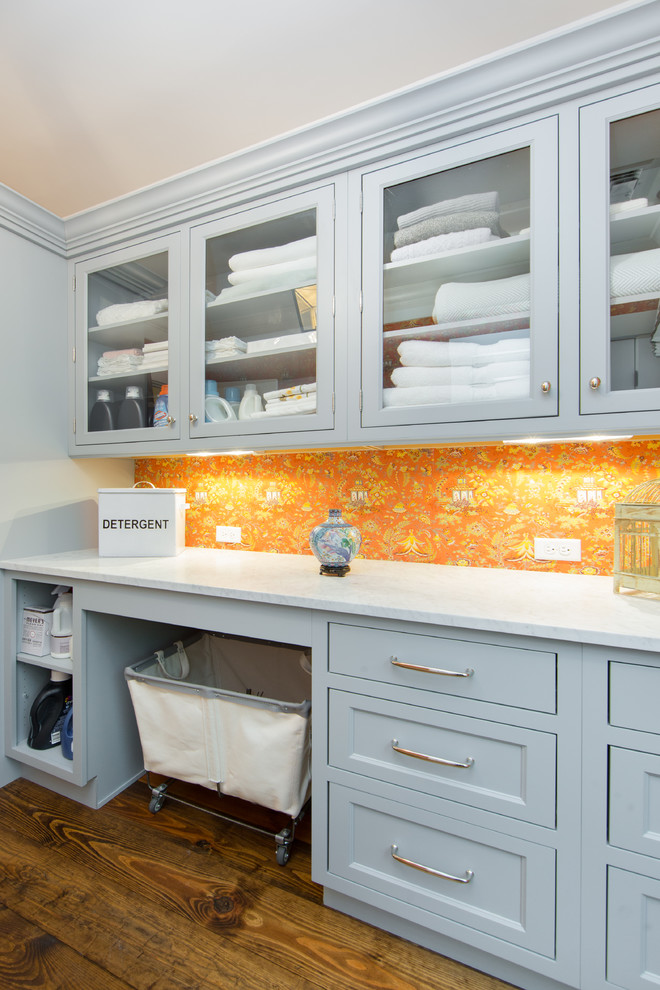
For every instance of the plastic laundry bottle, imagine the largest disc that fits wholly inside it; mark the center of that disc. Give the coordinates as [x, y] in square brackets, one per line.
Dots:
[161, 407]
[62, 627]
[250, 403]
[49, 710]
[102, 415]
[133, 410]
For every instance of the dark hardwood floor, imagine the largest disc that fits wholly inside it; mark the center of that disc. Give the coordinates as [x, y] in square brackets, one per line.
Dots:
[119, 898]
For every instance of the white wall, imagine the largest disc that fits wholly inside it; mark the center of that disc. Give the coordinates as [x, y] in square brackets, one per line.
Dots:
[47, 500]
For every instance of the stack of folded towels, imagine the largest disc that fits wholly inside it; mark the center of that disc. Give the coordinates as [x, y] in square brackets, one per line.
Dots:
[289, 401]
[456, 301]
[134, 360]
[285, 266]
[460, 371]
[225, 347]
[447, 225]
[126, 312]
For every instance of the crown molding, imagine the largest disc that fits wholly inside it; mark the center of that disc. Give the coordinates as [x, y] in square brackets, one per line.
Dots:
[615, 47]
[23, 217]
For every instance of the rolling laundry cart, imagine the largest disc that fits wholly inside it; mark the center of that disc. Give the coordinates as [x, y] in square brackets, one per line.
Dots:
[231, 714]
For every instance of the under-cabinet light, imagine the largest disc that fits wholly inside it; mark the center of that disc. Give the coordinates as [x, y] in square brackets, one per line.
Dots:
[222, 453]
[585, 438]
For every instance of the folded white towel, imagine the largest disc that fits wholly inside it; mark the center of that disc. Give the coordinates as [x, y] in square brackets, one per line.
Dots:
[124, 312]
[225, 344]
[635, 274]
[470, 300]
[130, 351]
[304, 274]
[158, 345]
[462, 374]
[307, 405]
[303, 248]
[628, 206]
[271, 273]
[443, 243]
[119, 365]
[445, 353]
[435, 226]
[462, 204]
[294, 390]
[515, 388]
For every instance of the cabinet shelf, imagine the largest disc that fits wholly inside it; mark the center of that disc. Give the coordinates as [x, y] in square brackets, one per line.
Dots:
[64, 664]
[299, 360]
[261, 314]
[639, 229]
[50, 760]
[633, 316]
[130, 333]
[132, 377]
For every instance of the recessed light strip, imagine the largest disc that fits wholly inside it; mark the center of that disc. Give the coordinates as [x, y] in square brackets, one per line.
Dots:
[585, 438]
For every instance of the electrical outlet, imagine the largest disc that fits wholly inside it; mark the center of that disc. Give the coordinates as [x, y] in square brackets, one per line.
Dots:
[227, 534]
[552, 549]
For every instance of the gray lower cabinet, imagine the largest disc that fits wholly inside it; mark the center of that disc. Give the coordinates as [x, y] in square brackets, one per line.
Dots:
[452, 791]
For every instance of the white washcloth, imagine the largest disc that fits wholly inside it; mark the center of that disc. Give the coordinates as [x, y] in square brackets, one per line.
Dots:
[515, 388]
[153, 361]
[444, 353]
[462, 204]
[124, 312]
[628, 205]
[111, 355]
[119, 365]
[158, 345]
[270, 273]
[294, 390]
[435, 226]
[635, 274]
[462, 374]
[307, 405]
[443, 243]
[304, 248]
[470, 300]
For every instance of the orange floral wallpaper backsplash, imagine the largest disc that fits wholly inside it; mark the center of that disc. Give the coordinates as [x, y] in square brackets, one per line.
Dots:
[466, 506]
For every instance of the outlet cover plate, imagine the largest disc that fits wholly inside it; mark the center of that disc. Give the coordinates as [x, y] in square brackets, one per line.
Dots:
[556, 549]
[227, 534]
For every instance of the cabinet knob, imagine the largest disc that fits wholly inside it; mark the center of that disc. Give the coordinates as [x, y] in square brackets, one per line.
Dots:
[594, 383]
[171, 421]
[546, 386]
[192, 418]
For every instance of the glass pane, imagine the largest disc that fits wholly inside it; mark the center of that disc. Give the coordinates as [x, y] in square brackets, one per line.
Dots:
[260, 338]
[635, 251]
[456, 285]
[127, 345]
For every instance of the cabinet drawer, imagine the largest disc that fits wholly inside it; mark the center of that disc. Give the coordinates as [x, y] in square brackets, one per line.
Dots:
[510, 895]
[634, 693]
[635, 801]
[501, 768]
[633, 930]
[501, 674]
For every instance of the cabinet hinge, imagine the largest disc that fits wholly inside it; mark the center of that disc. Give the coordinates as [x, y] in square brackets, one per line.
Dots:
[334, 209]
[360, 400]
[361, 200]
[74, 424]
[333, 402]
[360, 301]
[73, 354]
[73, 283]
[334, 310]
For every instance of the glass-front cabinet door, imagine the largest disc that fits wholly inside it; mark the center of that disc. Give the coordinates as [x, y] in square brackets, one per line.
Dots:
[620, 253]
[127, 368]
[459, 314]
[262, 324]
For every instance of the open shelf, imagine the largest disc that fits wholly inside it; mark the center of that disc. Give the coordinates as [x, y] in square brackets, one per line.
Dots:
[130, 333]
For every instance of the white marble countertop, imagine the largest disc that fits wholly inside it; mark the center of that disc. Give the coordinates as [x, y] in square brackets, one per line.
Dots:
[560, 606]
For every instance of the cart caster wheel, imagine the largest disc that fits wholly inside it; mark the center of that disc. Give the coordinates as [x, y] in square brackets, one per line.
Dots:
[156, 803]
[282, 854]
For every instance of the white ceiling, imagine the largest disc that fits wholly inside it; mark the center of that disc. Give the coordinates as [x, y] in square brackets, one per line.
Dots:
[102, 97]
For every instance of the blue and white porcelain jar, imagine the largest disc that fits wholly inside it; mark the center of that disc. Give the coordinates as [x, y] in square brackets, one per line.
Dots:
[334, 543]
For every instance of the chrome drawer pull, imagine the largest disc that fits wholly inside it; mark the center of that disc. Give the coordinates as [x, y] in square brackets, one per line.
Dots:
[469, 874]
[468, 672]
[431, 759]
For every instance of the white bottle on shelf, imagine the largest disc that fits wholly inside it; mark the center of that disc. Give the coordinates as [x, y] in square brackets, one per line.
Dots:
[250, 403]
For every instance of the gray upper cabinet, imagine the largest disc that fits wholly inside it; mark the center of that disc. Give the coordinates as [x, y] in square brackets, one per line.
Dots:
[459, 311]
[126, 351]
[620, 254]
[262, 320]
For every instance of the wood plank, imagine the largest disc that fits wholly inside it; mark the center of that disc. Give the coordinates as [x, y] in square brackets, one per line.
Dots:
[30, 957]
[178, 877]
